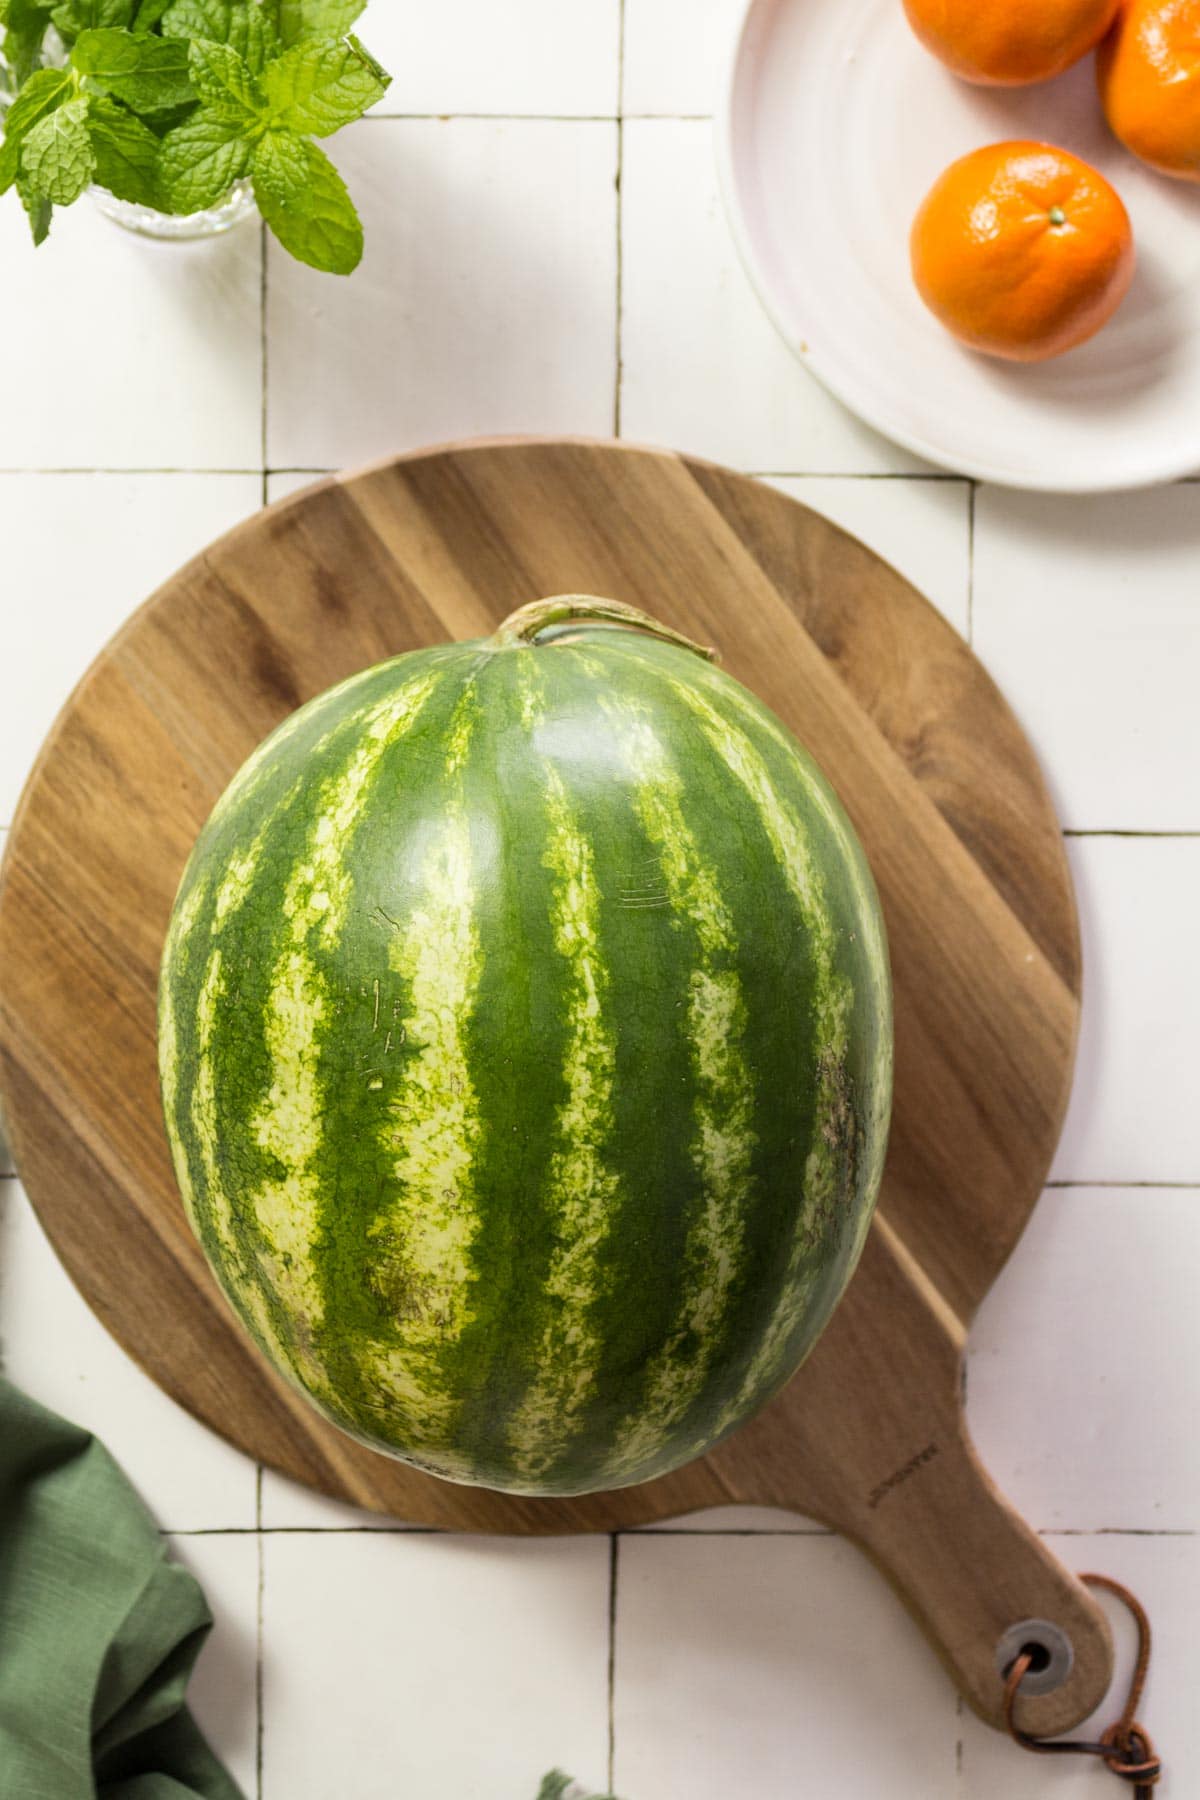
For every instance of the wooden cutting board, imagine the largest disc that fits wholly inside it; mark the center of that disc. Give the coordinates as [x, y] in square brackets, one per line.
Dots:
[966, 850]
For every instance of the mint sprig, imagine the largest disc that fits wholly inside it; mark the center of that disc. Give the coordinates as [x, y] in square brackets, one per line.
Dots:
[57, 159]
[42, 94]
[200, 160]
[263, 124]
[224, 82]
[168, 103]
[149, 74]
[303, 21]
[251, 31]
[318, 86]
[25, 23]
[72, 17]
[304, 200]
[126, 152]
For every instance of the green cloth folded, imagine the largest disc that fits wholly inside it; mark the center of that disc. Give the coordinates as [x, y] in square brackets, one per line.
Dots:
[98, 1630]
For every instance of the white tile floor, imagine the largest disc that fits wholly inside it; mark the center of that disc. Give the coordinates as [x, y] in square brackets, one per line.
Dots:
[529, 57]
[224, 1689]
[684, 295]
[746, 1665]
[161, 368]
[390, 1624]
[67, 590]
[511, 284]
[674, 58]
[487, 301]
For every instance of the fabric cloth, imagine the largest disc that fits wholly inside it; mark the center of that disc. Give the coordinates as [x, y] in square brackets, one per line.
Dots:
[98, 1630]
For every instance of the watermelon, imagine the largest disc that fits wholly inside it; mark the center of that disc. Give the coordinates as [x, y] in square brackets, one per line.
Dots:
[525, 1050]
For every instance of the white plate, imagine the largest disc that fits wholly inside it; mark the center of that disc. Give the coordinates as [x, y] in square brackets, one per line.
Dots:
[834, 125]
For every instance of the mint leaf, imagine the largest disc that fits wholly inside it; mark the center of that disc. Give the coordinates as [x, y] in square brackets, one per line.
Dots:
[150, 74]
[169, 103]
[162, 122]
[246, 27]
[26, 22]
[253, 35]
[73, 16]
[24, 15]
[197, 18]
[38, 210]
[126, 152]
[200, 160]
[307, 19]
[45, 90]
[57, 159]
[304, 200]
[224, 82]
[318, 88]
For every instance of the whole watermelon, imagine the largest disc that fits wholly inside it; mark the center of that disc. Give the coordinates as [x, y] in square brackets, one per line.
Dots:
[525, 1045]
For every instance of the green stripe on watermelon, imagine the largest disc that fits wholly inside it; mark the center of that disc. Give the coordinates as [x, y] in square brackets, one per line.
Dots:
[518, 997]
[237, 1163]
[779, 1284]
[526, 1053]
[647, 1098]
[721, 1138]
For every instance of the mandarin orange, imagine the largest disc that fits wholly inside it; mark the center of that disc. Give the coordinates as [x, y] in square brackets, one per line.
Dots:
[1148, 69]
[1022, 250]
[1009, 43]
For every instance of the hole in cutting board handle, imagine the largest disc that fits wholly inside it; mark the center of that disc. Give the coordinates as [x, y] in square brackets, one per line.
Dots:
[1049, 1646]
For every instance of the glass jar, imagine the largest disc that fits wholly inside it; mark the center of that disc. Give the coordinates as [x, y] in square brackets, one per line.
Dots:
[237, 206]
[147, 221]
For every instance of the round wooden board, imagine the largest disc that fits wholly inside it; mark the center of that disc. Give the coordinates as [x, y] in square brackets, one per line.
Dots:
[949, 802]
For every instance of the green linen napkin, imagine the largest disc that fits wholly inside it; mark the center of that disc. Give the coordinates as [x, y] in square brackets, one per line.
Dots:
[98, 1630]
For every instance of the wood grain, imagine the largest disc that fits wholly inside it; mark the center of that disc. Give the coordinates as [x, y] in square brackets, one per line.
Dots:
[952, 809]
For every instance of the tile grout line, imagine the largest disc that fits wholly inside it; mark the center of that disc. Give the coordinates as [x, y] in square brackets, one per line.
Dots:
[619, 373]
[139, 469]
[533, 118]
[1109, 1181]
[971, 498]
[264, 353]
[260, 1544]
[613, 1564]
[913, 475]
[1137, 1531]
[796, 474]
[729, 1531]
[454, 1531]
[494, 118]
[414, 1531]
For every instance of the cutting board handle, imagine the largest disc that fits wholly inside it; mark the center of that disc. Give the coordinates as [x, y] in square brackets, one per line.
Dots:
[977, 1576]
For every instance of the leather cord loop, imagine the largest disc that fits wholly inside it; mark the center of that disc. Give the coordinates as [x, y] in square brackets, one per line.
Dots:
[1125, 1748]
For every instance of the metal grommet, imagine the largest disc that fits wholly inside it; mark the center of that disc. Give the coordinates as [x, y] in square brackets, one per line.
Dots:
[1035, 1635]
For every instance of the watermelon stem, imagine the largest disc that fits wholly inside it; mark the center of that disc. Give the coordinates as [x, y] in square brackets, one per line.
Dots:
[525, 625]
